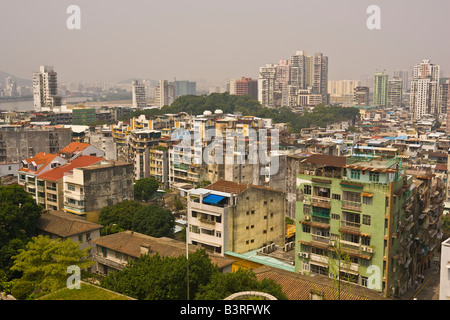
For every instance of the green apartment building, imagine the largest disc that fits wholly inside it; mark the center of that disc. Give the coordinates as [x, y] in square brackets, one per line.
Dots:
[349, 213]
[380, 89]
[83, 116]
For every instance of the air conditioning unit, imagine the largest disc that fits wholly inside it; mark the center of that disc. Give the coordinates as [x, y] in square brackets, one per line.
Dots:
[369, 249]
[332, 243]
[363, 248]
[303, 255]
[307, 218]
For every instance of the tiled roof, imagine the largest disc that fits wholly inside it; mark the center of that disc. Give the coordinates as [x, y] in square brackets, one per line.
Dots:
[299, 287]
[64, 224]
[326, 160]
[41, 159]
[58, 172]
[227, 186]
[130, 242]
[74, 146]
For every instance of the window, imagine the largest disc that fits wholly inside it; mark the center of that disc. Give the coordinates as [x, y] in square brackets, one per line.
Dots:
[355, 174]
[336, 196]
[305, 266]
[306, 209]
[364, 281]
[366, 219]
[367, 200]
[365, 241]
[306, 229]
[218, 234]
[71, 187]
[374, 177]
[335, 216]
[307, 189]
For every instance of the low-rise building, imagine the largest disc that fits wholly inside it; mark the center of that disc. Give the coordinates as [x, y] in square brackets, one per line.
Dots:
[113, 252]
[88, 190]
[227, 216]
[63, 225]
[32, 167]
[50, 183]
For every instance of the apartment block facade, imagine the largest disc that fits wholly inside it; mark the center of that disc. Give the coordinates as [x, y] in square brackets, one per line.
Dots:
[360, 215]
[227, 216]
[89, 189]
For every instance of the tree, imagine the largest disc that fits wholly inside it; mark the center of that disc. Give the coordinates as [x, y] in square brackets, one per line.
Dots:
[145, 188]
[223, 285]
[19, 214]
[44, 261]
[119, 217]
[154, 221]
[162, 278]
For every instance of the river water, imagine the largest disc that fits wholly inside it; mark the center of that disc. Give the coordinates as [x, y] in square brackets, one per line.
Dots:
[27, 105]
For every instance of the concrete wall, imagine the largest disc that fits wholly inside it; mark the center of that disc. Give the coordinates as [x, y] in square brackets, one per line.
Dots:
[107, 185]
[18, 145]
[259, 219]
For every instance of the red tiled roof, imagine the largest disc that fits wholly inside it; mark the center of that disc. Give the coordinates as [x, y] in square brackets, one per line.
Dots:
[74, 146]
[227, 186]
[57, 173]
[41, 158]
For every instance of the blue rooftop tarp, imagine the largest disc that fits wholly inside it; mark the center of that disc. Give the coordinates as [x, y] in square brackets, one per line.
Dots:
[213, 199]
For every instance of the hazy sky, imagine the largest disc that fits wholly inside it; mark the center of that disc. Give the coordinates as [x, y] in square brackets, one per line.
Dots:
[215, 40]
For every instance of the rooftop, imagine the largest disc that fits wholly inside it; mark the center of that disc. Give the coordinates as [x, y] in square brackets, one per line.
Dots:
[130, 242]
[64, 224]
[74, 147]
[58, 172]
[41, 160]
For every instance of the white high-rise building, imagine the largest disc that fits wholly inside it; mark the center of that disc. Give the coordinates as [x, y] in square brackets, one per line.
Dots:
[424, 94]
[45, 88]
[165, 94]
[139, 94]
[266, 85]
[320, 76]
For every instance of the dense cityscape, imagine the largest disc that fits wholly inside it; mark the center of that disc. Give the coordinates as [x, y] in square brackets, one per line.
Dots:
[282, 186]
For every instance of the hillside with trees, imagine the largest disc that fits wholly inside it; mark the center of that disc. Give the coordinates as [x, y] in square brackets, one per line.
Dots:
[196, 105]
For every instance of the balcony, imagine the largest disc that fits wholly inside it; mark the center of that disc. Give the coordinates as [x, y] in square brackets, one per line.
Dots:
[350, 227]
[319, 258]
[351, 205]
[118, 265]
[322, 202]
[320, 241]
[206, 208]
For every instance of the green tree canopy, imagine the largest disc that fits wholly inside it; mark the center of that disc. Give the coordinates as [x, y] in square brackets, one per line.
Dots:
[162, 278]
[223, 285]
[154, 221]
[196, 105]
[121, 215]
[45, 261]
[18, 214]
[145, 188]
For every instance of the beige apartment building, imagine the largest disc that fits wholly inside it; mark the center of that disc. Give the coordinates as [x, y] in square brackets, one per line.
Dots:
[50, 183]
[89, 189]
[227, 216]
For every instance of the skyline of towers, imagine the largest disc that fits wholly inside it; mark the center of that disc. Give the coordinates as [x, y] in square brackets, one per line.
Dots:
[280, 85]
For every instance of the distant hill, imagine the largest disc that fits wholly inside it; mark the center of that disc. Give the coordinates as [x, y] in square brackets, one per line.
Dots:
[20, 82]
